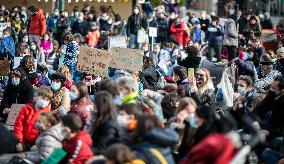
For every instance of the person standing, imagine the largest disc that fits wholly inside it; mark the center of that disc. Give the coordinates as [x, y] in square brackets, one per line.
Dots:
[134, 24]
[81, 26]
[37, 24]
[214, 36]
[162, 28]
[61, 26]
[231, 37]
[72, 50]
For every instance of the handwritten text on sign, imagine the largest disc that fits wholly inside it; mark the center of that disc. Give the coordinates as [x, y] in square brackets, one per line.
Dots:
[93, 61]
[125, 58]
[117, 42]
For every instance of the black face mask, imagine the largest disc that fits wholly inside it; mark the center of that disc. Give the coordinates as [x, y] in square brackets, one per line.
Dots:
[199, 80]
[281, 61]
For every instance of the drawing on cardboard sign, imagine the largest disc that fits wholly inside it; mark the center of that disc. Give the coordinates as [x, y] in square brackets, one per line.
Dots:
[94, 61]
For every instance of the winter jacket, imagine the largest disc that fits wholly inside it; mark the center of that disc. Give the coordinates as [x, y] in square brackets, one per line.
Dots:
[51, 23]
[104, 134]
[211, 151]
[267, 24]
[208, 97]
[246, 68]
[8, 140]
[37, 24]
[61, 26]
[81, 28]
[159, 139]
[24, 127]
[178, 31]
[215, 35]
[83, 109]
[190, 61]
[185, 84]
[103, 20]
[130, 99]
[93, 38]
[162, 28]
[46, 46]
[7, 44]
[263, 84]
[255, 28]
[151, 76]
[72, 51]
[273, 103]
[231, 36]
[258, 52]
[204, 24]
[21, 94]
[46, 143]
[280, 67]
[161, 60]
[197, 35]
[79, 148]
[134, 23]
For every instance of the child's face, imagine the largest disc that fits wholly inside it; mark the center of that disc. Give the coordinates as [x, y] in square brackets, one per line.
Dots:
[67, 133]
[46, 37]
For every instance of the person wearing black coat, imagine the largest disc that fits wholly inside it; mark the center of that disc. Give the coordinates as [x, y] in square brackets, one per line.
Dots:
[81, 26]
[150, 74]
[273, 102]
[267, 22]
[61, 26]
[18, 91]
[162, 29]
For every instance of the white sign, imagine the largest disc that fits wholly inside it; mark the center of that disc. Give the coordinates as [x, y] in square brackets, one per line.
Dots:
[117, 42]
[153, 32]
[3, 26]
[17, 61]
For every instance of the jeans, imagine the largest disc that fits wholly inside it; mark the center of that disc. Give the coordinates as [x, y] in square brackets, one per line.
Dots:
[133, 42]
[232, 52]
[215, 49]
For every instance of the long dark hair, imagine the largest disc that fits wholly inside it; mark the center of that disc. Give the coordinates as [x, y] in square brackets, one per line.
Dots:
[105, 108]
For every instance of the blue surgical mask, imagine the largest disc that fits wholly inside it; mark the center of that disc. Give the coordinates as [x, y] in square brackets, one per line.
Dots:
[25, 39]
[250, 55]
[192, 121]
[241, 90]
[33, 47]
[73, 96]
[16, 82]
[55, 86]
[41, 103]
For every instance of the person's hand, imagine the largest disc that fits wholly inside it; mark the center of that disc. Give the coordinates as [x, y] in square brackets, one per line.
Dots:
[6, 111]
[192, 82]
[19, 147]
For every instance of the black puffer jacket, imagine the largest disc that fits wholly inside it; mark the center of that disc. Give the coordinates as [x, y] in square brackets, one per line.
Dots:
[134, 23]
[159, 139]
[151, 76]
[21, 94]
[106, 133]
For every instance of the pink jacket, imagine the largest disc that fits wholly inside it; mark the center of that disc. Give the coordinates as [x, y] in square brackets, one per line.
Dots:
[46, 45]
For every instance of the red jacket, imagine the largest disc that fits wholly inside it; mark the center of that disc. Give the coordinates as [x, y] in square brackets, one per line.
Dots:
[215, 149]
[178, 32]
[24, 128]
[37, 24]
[79, 148]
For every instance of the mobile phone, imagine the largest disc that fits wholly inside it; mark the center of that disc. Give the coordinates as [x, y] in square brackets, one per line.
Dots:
[190, 73]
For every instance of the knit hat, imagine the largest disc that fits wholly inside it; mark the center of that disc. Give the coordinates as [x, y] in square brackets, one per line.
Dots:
[58, 75]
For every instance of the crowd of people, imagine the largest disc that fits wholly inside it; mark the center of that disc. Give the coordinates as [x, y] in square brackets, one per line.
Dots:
[188, 104]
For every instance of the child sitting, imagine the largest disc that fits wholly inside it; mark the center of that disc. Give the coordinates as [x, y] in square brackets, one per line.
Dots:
[46, 45]
[50, 139]
[24, 128]
[78, 142]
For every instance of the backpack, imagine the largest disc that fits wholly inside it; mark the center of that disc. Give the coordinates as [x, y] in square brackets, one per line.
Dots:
[161, 81]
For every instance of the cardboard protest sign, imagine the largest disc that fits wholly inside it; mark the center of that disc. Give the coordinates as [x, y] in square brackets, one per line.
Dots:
[93, 61]
[17, 61]
[4, 67]
[125, 58]
[15, 109]
[117, 42]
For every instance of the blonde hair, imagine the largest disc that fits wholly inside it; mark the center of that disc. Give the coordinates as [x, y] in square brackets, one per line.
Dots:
[185, 102]
[65, 70]
[129, 83]
[208, 84]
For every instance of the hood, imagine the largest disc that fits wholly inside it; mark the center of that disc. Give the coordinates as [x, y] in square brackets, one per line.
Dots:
[163, 137]
[104, 16]
[85, 137]
[55, 131]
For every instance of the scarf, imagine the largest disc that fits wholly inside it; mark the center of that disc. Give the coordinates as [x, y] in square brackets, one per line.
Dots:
[56, 99]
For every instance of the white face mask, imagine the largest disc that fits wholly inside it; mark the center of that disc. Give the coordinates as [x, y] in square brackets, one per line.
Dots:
[203, 16]
[123, 121]
[56, 13]
[136, 11]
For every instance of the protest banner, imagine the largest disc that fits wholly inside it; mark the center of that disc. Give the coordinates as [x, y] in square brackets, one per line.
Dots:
[117, 42]
[15, 109]
[3, 26]
[4, 67]
[94, 61]
[125, 58]
[17, 61]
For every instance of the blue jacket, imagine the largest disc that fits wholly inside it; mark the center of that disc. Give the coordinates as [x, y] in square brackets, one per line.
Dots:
[9, 44]
[72, 51]
[214, 35]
